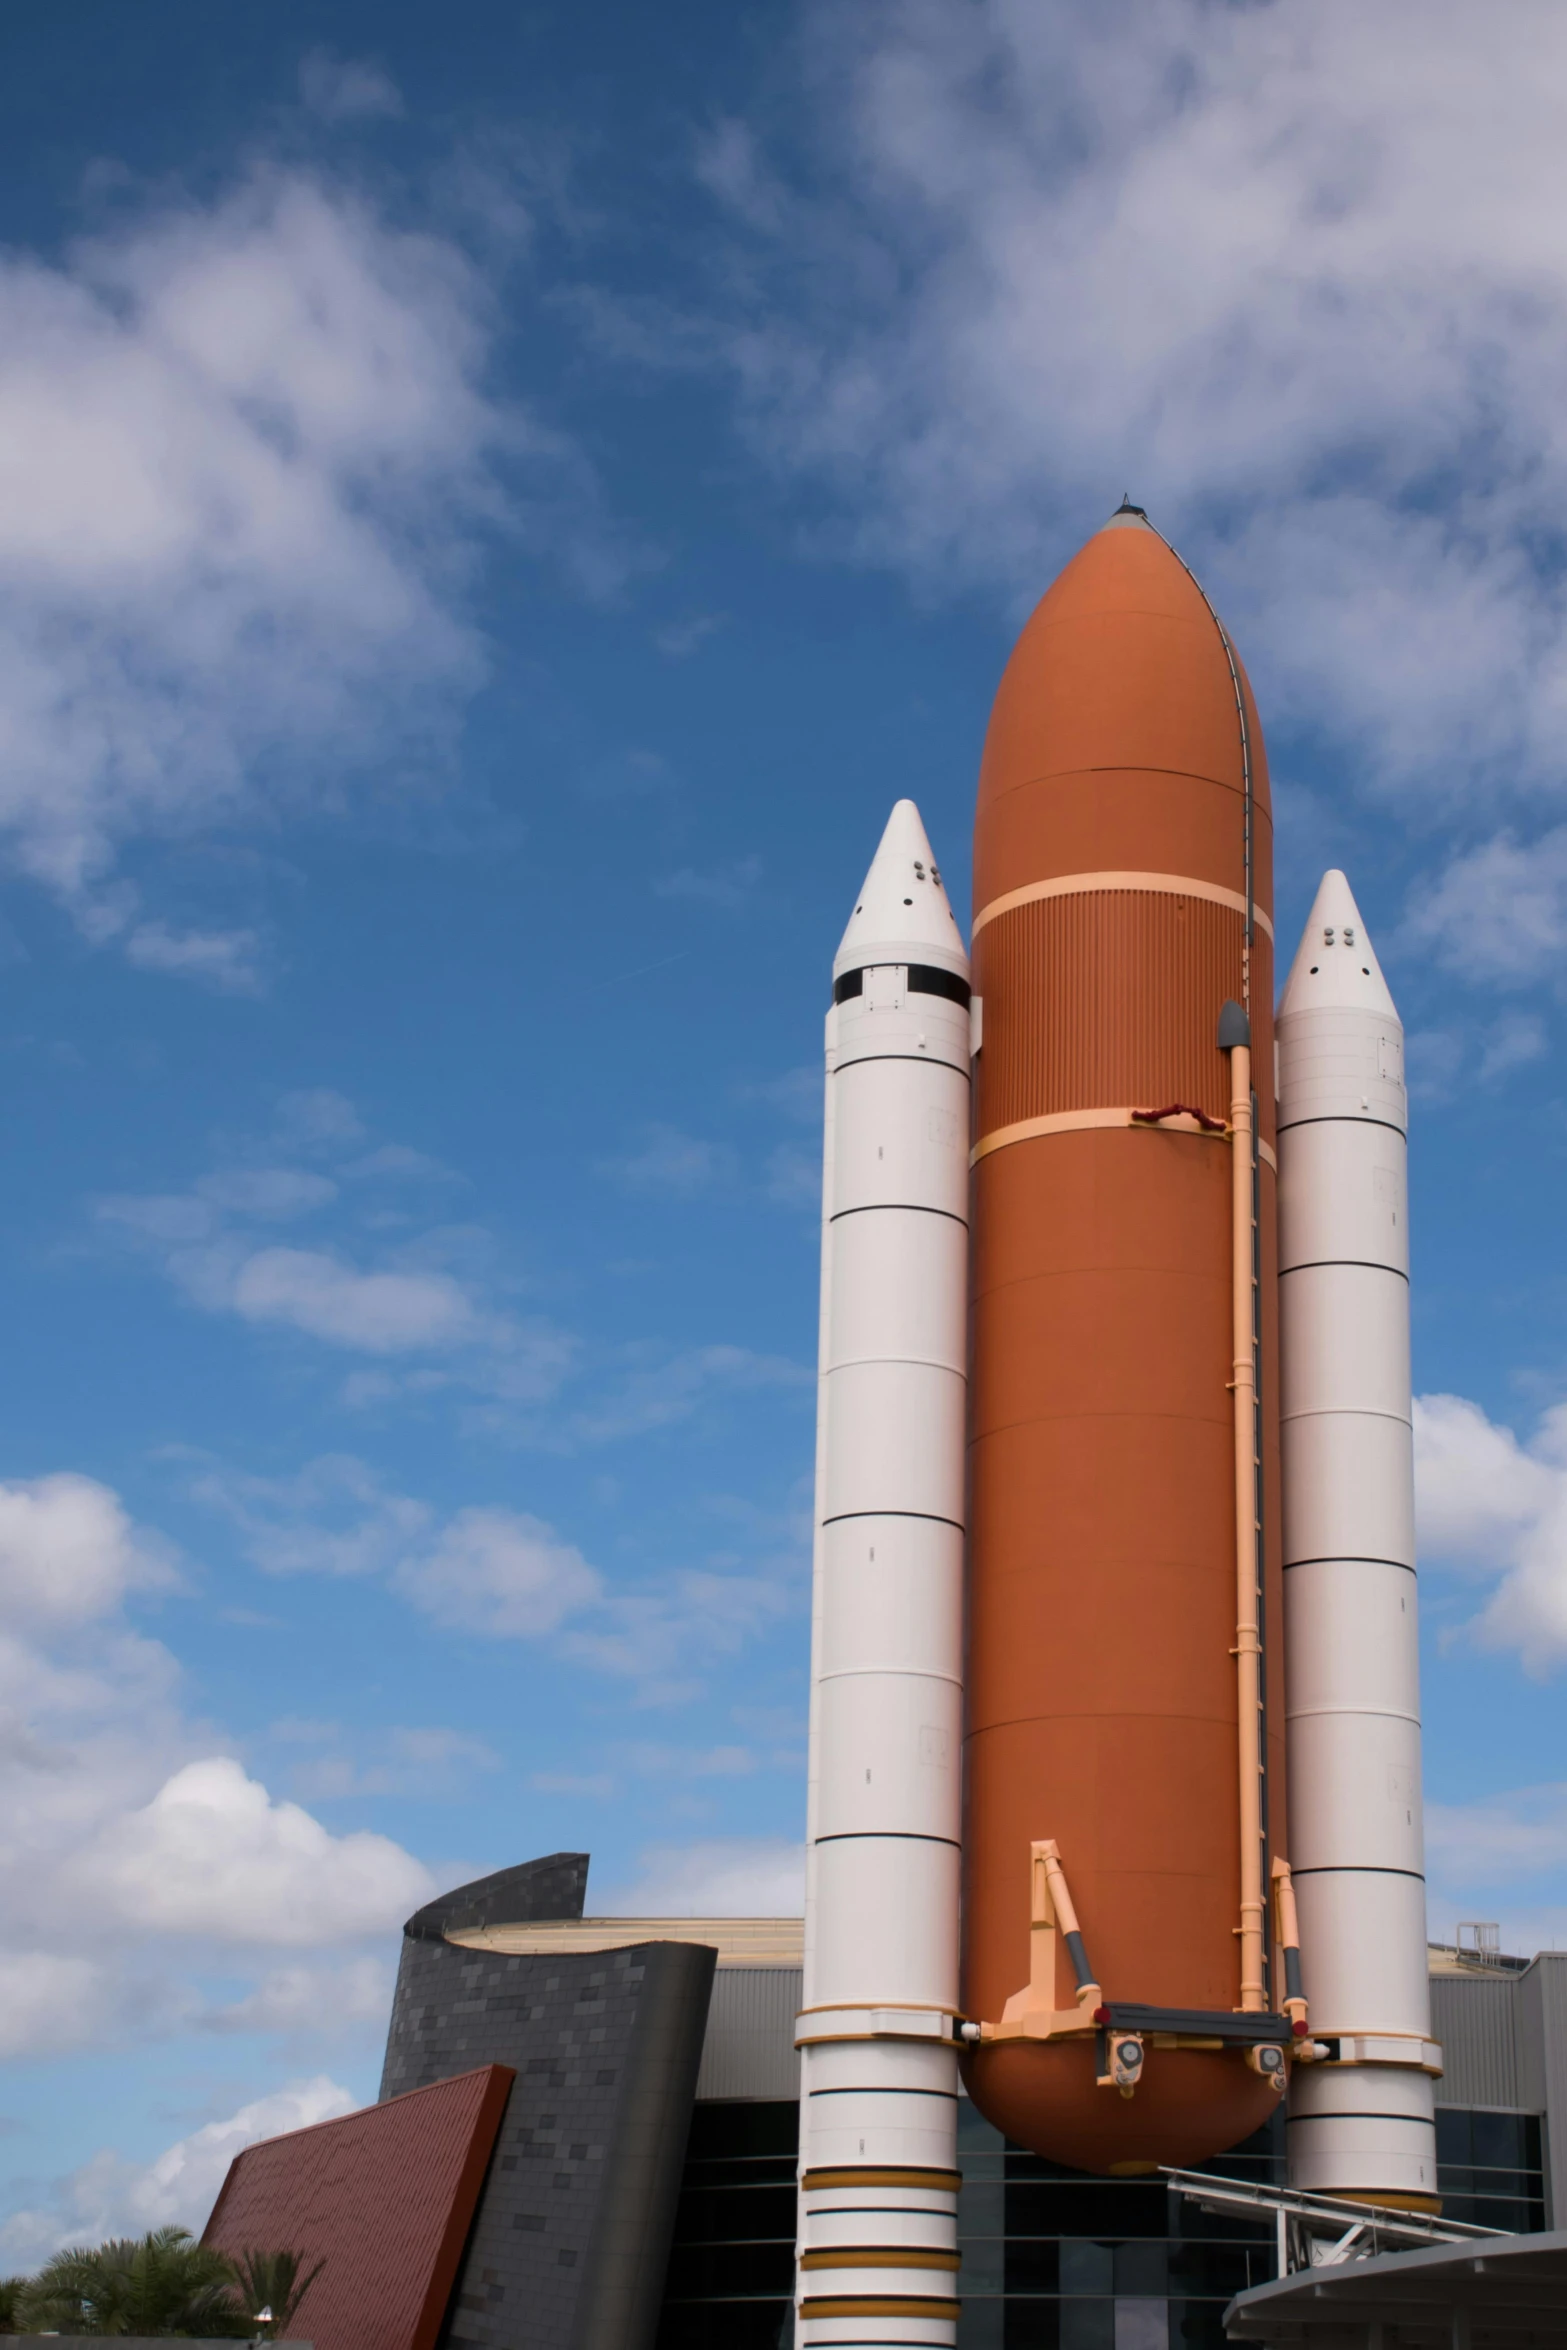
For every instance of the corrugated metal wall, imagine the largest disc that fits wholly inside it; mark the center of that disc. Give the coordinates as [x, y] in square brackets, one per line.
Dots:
[1091, 956]
[1476, 2019]
[750, 2051]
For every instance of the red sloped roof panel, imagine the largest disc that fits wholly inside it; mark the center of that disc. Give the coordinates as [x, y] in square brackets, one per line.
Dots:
[385, 2197]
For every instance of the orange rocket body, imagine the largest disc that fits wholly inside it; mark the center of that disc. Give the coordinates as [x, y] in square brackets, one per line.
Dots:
[1123, 828]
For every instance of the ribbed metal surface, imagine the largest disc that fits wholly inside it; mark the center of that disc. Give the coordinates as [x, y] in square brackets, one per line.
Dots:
[1105, 999]
[749, 2050]
[1476, 2020]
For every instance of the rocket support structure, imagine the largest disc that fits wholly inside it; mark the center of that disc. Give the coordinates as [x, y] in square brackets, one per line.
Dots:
[1362, 2123]
[879, 2086]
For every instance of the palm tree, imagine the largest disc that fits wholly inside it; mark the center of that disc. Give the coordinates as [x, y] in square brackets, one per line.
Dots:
[10, 2289]
[162, 2283]
[271, 2286]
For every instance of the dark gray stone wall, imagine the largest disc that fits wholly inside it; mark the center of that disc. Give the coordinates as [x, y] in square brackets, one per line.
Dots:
[582, 2186]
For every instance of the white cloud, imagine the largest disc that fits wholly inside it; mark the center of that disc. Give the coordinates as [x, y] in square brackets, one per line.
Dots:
[306, 2000]
[314, 1117]
[348, 89]
[501, 1573]
[376, 1313]
[725, 886]
[1498, 912]
[681, 638]
[425, 1298]
[227, 959]
[726, 1876]
[51, 2001]
[1494, 1508]
[669, 1161]
[247, 458]
[1289, 273]
[110, 2196]
[239, 438]
[655, 1396]
[1501, 1839]
[69, 1552]
[595, 1784]
[213, 1854]
[273, 1194]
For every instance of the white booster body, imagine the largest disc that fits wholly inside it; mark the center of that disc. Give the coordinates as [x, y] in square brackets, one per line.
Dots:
[877, 2251]
[1363, 2123]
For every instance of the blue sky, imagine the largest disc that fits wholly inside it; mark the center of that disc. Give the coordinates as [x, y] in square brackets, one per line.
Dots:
[494, 506]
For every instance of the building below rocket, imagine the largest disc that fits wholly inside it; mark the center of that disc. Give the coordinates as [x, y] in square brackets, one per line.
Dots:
[1115, 1745]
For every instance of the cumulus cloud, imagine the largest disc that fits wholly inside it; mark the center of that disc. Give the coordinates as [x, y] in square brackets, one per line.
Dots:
[214, 1854]
[137, 1856]
[1289, 273]
[725, 1876]
[69, 1552]
[1495, 1508]
[110, 2196]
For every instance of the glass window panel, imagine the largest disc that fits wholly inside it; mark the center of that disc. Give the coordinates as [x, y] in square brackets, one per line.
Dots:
[1497, 2140]
[1087, 2267]
[1141, 2268]
[1087, 2324]
[1141, 2323]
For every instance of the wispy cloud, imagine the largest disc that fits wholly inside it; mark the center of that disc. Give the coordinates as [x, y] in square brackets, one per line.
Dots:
[666, 1159]
[725, 886]
[348, 89]
[1219, 256]
[679, 639]
[248, 449]
[723, 1876]
[424, 1301]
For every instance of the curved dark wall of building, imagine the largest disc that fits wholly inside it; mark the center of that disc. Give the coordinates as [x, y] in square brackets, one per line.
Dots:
[571, 2240]
[554, 1887]
[623, 2291]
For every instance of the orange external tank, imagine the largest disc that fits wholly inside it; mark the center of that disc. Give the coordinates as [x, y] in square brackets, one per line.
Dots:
[1122, 853]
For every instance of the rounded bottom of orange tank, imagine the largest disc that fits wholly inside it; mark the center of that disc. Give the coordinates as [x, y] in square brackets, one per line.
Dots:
[1190, 2105]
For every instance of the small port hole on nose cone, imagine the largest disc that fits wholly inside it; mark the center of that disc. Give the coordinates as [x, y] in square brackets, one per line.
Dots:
[1315, 968]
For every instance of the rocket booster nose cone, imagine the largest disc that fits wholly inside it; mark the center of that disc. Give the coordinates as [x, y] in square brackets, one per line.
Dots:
[901, 914]
[1336, 965]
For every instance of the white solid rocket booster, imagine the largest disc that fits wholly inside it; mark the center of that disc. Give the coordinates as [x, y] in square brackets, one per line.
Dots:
[877, 2248]
[1363, 2123]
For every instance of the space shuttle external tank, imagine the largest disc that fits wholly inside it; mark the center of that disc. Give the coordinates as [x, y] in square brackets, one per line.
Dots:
[1124, 1760]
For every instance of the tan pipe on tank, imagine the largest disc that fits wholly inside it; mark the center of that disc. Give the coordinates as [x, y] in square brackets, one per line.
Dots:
[1248, 1645]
